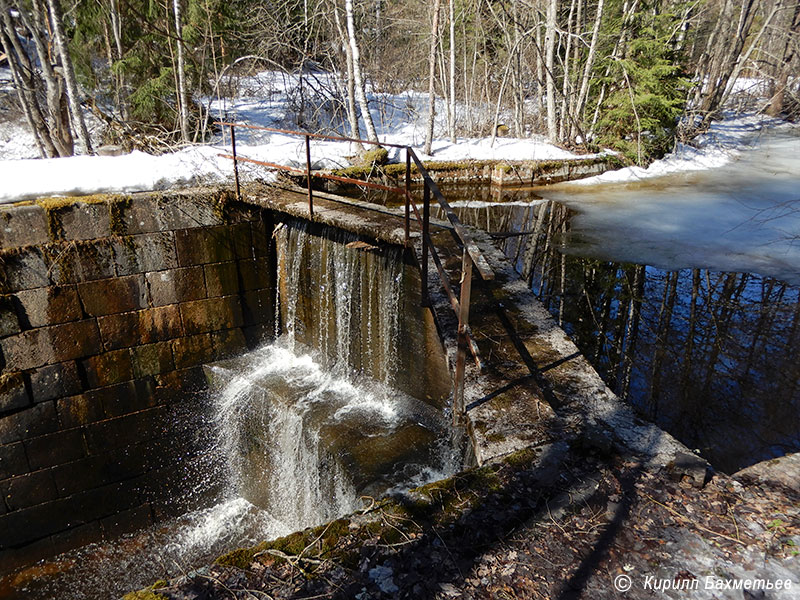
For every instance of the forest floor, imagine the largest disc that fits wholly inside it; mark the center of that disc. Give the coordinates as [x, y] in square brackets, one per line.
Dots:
[588, 522]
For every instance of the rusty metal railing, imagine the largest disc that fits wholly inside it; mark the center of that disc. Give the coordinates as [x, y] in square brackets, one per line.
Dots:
[471, 254]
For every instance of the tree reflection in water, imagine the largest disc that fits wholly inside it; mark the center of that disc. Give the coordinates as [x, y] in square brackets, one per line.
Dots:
[709, 356]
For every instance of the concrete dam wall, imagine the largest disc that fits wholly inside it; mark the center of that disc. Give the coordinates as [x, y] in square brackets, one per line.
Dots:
[106, 320]
[109, 308]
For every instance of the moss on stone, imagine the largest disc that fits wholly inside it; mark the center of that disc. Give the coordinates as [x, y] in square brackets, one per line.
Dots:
[148, 593]
[318, 541]
[376, 156]
[520, 458]
[116, 214]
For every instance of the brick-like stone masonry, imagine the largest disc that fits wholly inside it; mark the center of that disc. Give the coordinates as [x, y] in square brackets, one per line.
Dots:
[108, 309]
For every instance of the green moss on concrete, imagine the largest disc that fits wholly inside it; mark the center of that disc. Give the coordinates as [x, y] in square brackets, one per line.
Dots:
[116, 214]
[316, 542]
[53, 207]
[148, 593]
[376, 156]
[521, 458]
[393, 521]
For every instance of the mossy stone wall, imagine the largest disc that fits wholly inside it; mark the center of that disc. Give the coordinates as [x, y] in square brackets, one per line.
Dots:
[109, 305]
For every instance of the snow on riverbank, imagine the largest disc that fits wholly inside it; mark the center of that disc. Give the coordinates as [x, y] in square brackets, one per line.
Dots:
[724, 142]
[270, 99]
[265, 99]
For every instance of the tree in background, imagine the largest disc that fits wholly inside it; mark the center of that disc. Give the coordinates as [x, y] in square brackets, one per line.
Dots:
[44, 71]
[585, 73]
[644, 87]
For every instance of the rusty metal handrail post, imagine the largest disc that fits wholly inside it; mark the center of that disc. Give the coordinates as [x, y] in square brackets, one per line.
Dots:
[463, 336]
[408, 195]
[308, 178]
[426, 217]
[235, 164]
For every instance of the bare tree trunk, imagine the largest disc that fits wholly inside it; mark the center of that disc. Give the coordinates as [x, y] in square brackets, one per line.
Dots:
[57, 105]
[724, 60]
[539, 70]
[432, 77]
[519, 93]
[78, 123]
[549, 50]
[183, 97]
[587, 67]
[628, 11]
[565, 83]
[776, 105]
[23, 98]
[451, 121]
[352, 113]
[116, 31]
[361, 95]
[25, 84]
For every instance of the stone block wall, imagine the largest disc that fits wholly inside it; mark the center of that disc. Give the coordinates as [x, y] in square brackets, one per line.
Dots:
[108, 308]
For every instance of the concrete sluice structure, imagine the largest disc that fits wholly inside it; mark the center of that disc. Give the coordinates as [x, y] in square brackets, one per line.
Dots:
[111, 307]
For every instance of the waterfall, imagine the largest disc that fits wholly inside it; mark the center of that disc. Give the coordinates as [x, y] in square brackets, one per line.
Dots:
[311, 421]
[345, 402]
[342, 301]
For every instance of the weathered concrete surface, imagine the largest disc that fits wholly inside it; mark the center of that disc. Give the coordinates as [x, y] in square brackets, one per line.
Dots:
[109, 305]
[360, 218]
[544, 523]
[572, 386]
[534, 384]
[781, 472]
[501, 173]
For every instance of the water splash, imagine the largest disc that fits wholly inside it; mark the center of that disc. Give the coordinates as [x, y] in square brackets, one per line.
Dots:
[303, 441]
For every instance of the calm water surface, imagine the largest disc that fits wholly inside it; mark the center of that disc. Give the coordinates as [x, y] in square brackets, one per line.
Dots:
[683, 291]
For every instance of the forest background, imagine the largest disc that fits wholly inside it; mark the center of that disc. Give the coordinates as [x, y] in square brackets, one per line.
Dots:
[632, 75]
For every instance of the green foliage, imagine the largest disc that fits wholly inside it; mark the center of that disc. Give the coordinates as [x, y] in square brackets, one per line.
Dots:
[141, 82]
[646, 90]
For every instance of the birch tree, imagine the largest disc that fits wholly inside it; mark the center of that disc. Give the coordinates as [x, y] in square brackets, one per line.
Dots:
[78, 122]
[451, 113]
[183, 96]
[350, 85]
[549, 66]
[432, 77]
[361, 95]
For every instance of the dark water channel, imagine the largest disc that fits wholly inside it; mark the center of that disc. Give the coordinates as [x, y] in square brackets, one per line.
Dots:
[708, 355]
[683, 291]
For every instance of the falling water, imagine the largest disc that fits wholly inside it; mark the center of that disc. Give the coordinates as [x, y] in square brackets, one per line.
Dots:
[334, 409]
[313, 420]
[339, 300]
[303, 442]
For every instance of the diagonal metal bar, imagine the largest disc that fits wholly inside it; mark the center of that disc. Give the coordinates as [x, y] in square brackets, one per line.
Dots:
[469, 245]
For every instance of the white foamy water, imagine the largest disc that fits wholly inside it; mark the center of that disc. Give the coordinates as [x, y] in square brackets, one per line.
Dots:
[303, 442]
[301, 432]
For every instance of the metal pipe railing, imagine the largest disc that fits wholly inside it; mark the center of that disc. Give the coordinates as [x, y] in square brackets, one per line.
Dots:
[471, 254]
